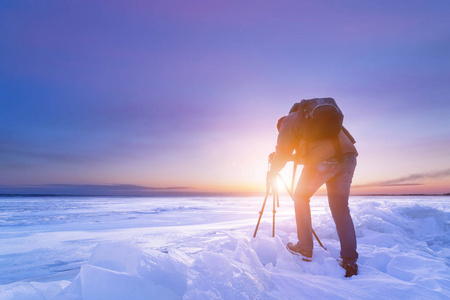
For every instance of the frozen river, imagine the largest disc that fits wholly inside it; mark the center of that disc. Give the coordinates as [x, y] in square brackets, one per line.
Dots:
[202, 248]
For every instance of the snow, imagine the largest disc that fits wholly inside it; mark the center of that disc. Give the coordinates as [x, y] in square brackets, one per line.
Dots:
[202, 248]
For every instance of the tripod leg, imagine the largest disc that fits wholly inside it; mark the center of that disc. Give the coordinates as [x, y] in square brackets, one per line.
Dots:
[261, 212]
[317, 238]
[290, 194]
[293, 176]
[275, 196]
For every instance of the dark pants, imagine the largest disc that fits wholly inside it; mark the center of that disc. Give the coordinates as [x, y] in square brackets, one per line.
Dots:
[337, 175]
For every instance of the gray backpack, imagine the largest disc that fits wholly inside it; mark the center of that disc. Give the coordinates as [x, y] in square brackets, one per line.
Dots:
[319, 118]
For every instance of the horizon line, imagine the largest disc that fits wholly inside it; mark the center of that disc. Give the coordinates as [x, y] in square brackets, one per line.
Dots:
[198, 194]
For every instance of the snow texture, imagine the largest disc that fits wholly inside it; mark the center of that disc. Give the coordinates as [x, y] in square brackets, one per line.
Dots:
[203, 248]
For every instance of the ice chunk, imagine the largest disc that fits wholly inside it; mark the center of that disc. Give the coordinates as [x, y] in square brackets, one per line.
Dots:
[265, 249]
[98, 283]
[21, 292]
[117, 256]
[166, 269]
[223, 276]
[407, 267]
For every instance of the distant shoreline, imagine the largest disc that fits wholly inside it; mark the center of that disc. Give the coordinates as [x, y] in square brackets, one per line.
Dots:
[171, 195]
[445, 194]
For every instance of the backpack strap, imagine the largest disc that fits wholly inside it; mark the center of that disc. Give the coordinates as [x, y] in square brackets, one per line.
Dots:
[350, 137]
[299, 109]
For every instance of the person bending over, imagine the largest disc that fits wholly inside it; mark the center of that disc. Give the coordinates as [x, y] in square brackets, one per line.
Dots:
[323, 164]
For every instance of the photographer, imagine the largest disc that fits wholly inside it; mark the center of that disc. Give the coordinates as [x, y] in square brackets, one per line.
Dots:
[324, 163]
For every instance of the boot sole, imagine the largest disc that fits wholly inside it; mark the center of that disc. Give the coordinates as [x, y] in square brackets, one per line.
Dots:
[304, 258]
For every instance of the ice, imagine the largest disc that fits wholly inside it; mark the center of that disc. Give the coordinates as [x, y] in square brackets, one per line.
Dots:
[202, 248]
[119, 257]
[228, 275]
[100, 283]
[22, 292]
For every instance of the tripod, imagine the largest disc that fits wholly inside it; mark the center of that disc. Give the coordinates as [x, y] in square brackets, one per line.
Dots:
[271, 187]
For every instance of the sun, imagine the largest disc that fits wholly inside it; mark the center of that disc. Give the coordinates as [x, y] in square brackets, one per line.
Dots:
[287, 179]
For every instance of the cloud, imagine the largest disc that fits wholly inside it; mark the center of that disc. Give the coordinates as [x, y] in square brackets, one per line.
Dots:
[112, 190]
[94, 190]
[410, 179]
[27, 153]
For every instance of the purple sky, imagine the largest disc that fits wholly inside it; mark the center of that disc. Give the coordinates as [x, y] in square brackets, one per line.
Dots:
[187, 93]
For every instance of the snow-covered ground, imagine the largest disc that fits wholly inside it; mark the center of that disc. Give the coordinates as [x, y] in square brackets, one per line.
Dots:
[202, 248]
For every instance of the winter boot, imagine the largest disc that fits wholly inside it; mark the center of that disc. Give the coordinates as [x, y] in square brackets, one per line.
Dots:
[351, 268]
[297, 249]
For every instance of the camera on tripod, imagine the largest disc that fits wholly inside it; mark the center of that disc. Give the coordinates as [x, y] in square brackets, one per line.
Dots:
[272, 189]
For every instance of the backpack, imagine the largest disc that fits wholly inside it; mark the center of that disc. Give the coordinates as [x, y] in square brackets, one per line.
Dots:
[319, 118]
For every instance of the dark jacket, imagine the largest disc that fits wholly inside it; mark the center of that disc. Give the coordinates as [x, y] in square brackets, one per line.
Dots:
[307, 152]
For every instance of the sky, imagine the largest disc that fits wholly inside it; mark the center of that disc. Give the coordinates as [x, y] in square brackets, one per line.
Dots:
[139, 97]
